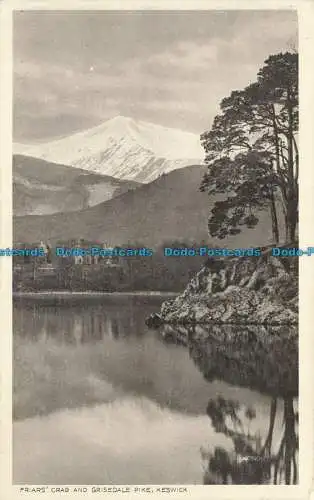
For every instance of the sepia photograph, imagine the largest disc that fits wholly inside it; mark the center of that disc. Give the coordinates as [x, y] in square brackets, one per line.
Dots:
[155, 251]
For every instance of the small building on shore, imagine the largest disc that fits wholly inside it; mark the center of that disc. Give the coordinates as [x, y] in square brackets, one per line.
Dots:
[74, 272]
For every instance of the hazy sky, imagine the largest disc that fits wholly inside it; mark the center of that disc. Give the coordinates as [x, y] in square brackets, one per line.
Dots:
[74, 70]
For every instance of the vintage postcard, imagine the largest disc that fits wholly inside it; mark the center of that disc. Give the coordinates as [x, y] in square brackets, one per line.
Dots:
[157, 249]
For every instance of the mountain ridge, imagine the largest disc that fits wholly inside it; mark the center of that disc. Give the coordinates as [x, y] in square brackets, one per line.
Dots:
[171, 208]
[41, 187]
[123, 148]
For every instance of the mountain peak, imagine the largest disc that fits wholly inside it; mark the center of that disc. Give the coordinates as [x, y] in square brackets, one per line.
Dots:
[121, 124]
[120, 119]
[124, 148]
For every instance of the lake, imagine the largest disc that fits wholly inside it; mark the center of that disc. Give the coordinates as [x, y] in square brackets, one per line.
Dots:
[99, 398]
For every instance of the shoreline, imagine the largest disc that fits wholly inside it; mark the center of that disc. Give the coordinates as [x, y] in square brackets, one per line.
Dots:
[58, 294]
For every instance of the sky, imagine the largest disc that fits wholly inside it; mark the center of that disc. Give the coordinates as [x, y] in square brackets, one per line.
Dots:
[75, 70]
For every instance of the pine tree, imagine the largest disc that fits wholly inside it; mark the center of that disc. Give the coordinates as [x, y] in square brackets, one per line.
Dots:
[252, 152]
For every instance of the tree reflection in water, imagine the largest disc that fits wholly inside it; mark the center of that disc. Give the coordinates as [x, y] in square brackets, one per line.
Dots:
[260, 358]
[251, 461]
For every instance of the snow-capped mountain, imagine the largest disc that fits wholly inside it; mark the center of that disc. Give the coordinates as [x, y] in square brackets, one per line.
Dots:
[122, 148]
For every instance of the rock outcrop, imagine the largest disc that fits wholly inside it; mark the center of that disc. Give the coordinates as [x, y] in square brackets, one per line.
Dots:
[245, 290]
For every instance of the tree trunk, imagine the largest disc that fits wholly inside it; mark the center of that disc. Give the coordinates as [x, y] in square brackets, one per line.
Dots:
[290, 140]
[272, 198]
[290, 438]
[291, 232]
[286, 229]
[292, 206]
[291, 220]
[289, 190]
[274, 218]
[268, 442]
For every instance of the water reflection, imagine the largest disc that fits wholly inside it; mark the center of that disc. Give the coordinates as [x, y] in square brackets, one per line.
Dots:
[252, 460]
[80, 322]
[66, 355]
[214, 400]
[263, 358]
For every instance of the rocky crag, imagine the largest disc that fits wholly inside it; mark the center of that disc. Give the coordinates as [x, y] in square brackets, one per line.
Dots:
[237, 290]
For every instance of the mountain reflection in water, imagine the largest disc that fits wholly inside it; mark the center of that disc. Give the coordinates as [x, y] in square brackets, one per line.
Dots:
[207, 411]
[260, 357]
